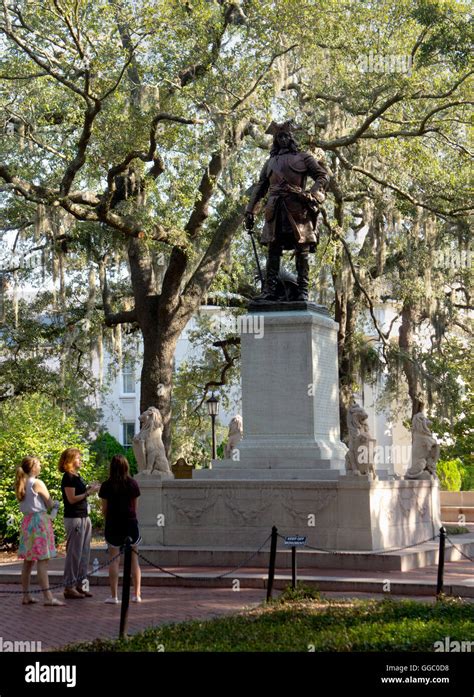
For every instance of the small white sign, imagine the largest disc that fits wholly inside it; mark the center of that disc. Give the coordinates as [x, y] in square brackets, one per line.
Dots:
[295, 540]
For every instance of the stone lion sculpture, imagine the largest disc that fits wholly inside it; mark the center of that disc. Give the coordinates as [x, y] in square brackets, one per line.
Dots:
[148, 445]
[359, 457]
[424, 449]
[235, 435]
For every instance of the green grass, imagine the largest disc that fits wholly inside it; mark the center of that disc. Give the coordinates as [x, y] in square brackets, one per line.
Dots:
[456, 530]
[294, 623]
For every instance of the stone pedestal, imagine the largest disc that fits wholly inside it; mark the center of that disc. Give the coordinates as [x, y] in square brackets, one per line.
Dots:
[289, 464]
[290, 399]
[350, 514]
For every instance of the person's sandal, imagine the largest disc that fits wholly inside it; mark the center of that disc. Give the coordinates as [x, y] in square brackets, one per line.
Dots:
[136, 598]
[55, 602]
[29, 601]
[112, 601]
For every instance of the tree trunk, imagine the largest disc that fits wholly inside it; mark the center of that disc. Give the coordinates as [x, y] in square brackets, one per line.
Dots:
[345, 316]
[163, 308]
[159, 341]
[159, 345]
[405, 343]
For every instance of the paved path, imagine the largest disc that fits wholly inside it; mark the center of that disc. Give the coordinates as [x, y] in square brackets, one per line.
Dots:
[90, 618]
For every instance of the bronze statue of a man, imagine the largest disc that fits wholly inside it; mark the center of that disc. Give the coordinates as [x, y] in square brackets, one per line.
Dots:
[290, 211]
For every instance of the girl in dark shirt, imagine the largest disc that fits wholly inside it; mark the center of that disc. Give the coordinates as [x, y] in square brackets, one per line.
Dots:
[119, 505]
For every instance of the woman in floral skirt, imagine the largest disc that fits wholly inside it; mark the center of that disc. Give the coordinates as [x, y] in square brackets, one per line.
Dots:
[36, 531]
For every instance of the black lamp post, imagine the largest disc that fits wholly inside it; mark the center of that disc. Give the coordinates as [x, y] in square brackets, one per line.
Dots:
[213, 410]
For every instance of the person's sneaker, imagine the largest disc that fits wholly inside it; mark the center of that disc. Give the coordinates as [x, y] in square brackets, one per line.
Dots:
[112, 601]
[136, 598]
[84, 593]
[72, 594]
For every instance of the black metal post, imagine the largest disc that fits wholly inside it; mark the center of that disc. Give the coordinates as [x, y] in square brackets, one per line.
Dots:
[127, 568]
[442, 544]
[293, 568]
[214, 451]
[271, 566]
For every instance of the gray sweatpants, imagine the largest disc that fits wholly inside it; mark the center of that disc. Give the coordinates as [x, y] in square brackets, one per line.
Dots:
[78, 543]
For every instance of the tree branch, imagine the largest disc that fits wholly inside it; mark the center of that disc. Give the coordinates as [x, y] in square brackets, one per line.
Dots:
[125, 67]
[67, 21]
[403, 194]
[125, 317]
[31, 192]
[249, 93]
[206, 188]
[6, 76]
[349, 139]
[80, 158]
[112, 318]
[202, 277]
[229, 362]
[355, 276]
[193, 72]
[149, 156]
[452, 89]
[457, 146]
[421, 129]
[8, 30]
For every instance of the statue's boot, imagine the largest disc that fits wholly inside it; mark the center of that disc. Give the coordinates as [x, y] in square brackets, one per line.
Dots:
[271, 279]
[302, 270]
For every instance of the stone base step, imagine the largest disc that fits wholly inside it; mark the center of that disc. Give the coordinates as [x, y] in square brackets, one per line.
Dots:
[401, 560]
[176, 557]
[455, 514]
[288, 474]
[346, 584]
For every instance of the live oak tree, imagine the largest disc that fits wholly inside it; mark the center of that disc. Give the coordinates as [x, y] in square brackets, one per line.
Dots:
[140, 128]
[134, 114]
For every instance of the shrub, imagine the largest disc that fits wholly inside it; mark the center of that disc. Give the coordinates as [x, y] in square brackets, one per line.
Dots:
[456, 529]
[451, 473]
[468, 478]
[301, 592]
[105, 447]
[30, 425]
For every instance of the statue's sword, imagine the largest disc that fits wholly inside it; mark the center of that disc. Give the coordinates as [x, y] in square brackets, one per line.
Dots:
[260, 274]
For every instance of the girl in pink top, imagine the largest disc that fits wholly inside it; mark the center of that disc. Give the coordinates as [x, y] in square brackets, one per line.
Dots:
[36, 531]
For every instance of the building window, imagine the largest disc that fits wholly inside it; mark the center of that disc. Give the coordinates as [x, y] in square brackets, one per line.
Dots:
[128, 378]
[128, 431]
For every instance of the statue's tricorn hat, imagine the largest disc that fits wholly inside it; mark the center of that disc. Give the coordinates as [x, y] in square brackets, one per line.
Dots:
[286, 127]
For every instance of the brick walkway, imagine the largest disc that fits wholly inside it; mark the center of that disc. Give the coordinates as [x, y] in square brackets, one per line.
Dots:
[88, 619]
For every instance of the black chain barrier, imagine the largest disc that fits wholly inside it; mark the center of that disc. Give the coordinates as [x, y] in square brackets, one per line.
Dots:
[150, 563]
[76, 581]
[234, 569]
[466, 556]
[376, 551]
[203, 578]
